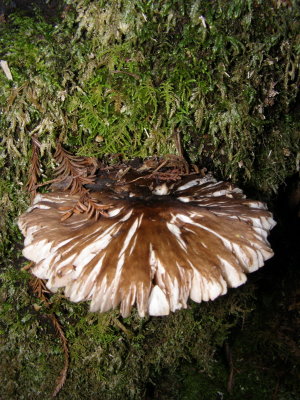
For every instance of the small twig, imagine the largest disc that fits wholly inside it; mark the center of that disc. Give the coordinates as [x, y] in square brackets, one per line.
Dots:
[119, 324]
[178, 144]
[275, 392]
[231, 368]
[122, 173]
[160, 166]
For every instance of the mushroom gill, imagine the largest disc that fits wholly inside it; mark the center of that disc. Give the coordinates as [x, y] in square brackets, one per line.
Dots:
[156, 243]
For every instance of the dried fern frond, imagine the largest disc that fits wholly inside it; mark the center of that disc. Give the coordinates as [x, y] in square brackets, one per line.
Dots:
[40, 290]
[63, 373]
[86, 205]
[75, 171]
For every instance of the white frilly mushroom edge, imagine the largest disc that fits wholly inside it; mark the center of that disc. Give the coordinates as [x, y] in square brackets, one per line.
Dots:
[160, 244]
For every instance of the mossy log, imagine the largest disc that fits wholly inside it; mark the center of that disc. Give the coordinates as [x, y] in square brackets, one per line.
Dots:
[129, 77]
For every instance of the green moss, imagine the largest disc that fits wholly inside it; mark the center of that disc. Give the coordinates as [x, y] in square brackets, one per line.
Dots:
[104, 359]
[122, 78]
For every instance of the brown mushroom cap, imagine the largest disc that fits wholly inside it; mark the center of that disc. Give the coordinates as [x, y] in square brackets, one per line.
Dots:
[160, 243]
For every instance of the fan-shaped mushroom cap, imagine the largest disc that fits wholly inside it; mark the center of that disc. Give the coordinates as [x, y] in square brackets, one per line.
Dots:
[161, 243]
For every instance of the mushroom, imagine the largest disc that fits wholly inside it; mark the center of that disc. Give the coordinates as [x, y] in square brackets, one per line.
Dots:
[156, 243]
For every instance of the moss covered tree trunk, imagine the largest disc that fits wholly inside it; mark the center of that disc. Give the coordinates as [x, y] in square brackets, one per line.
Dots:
[128, 77]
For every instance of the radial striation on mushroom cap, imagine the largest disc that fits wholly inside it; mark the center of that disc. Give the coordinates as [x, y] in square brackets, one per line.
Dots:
[156, 244]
